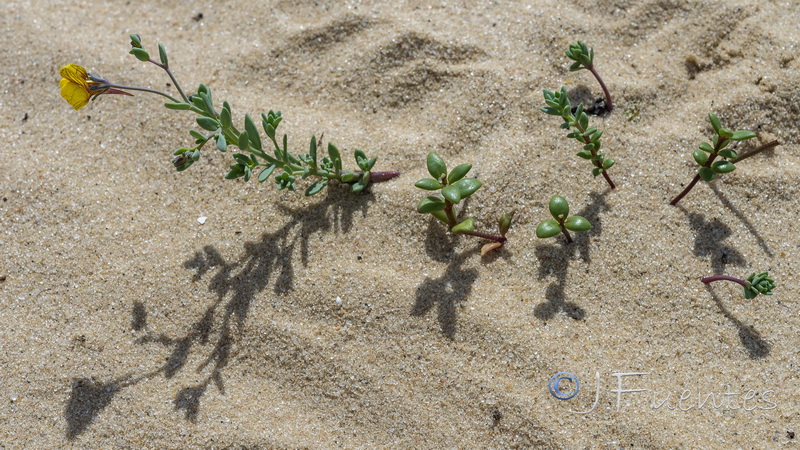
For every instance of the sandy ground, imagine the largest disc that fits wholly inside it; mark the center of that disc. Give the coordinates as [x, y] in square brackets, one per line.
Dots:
[125, 322]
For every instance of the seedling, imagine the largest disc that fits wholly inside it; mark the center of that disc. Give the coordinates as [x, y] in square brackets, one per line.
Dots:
[558, 105]
[453, 187]
[755, 284]
[561, 221]
[706, 155]
[78, 87]
[584, 59]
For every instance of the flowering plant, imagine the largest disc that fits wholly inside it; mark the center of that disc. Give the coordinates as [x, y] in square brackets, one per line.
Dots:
[78, 87]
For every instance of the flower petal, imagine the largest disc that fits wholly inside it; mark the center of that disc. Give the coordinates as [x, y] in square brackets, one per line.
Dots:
[75, 74]
[75, 94]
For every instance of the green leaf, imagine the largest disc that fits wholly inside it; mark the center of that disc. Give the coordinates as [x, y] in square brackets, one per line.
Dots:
[241, 159]
[467, 226]
[726, 133]
[225, 117]
[728, 153]
[335, 157]
[585, 154]
[452, 193]
[243, 141]
[436, 166]
[197, 135]
[222, 143]
[547, 229]
[371, 163]
[247, 173]
[347, 176]
[361, 159]
[723, 166]
[607, 163]
[577, 223]
[312, 150]
[140, 54]
[430, 204]
[441, 215]
[596, 171]
[741, 135]
[559, 207]
[706, 173]
[467, 186]
[362, 183]
[706, 147]
[178, 106]
[315, 188]
[252, 132]
[584, 120]
[208, 105]
[266, 173]
[429, 184]
[715, 122]
[700, 157]
[235, 172]
[551, 111]
[162, 54]
[504, 223]
[458, 172]
[208, 123]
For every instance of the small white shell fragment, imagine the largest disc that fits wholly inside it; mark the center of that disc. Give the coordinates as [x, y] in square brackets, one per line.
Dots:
[338, 301]
[202, 219]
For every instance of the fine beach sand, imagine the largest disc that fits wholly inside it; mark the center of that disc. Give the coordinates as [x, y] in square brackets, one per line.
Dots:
[353, 321]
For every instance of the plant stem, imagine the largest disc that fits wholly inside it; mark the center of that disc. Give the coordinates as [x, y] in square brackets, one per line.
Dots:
[491, 237]
[171, 77]
[757, 150]
[609, 104]
[152, 91]
[685, 191]
[379, 177]
[452, 221]
[720, 145]
[566, 233]
[714, 278]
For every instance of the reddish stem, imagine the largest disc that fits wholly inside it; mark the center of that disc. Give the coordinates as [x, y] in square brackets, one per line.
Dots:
[685, 191]
[609, 105]
[696, 178]
[566, 233]
[714, 278]
[491, 237]
[379, 177]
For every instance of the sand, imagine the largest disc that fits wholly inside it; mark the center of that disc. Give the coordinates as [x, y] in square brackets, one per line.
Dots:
[353, 321]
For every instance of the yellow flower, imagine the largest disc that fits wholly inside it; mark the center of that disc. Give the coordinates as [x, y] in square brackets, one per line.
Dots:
[76, 88]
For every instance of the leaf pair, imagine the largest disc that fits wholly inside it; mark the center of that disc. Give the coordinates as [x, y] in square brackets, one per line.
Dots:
[559, 209]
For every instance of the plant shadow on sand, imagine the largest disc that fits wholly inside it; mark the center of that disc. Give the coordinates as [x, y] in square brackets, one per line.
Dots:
[448, 292]
[554, 261]
[708, 243]
[236, 284]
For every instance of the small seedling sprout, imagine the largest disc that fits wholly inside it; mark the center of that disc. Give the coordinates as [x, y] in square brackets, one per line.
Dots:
[706, 155]
[755, 284]
[558, 105]
[454, 187]
[561, 221]
[584, 59]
